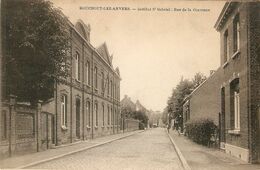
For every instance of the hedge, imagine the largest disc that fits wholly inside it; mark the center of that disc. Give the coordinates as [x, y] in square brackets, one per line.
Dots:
[200, 131]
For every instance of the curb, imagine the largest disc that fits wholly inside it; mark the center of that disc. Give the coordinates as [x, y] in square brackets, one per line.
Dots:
[181, 157]
[76, 151]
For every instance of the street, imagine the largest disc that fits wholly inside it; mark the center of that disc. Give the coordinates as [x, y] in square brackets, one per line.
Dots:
[151, 149]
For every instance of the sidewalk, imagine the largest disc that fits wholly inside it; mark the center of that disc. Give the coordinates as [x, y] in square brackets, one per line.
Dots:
[24, 161]
[200, 157]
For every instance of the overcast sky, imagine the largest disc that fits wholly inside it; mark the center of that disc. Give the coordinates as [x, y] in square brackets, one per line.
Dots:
[152, 49]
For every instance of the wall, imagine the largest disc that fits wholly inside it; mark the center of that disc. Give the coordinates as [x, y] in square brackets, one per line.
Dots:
[204, 101]
[131, 125]
[24, 129]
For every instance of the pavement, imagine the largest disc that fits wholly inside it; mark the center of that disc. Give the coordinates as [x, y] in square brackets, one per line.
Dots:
[150, 150]
[198, 157]
[29, 160]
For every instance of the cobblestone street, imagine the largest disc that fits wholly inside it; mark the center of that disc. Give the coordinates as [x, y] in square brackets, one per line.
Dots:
[151, 149]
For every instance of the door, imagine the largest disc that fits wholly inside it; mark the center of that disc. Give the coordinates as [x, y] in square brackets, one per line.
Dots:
[222, 120]
[78, 118]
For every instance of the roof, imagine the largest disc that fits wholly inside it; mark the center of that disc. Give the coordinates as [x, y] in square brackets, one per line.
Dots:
[189, 96]
[227, 9]
[103, 51]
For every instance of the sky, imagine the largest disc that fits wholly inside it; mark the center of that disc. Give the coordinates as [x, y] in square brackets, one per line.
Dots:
[153, 49]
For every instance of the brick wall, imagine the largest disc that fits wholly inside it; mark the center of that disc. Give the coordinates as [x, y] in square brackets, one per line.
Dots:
[254, 36]
[204, 102]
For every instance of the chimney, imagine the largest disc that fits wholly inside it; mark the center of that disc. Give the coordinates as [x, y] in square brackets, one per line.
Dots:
[211, 72]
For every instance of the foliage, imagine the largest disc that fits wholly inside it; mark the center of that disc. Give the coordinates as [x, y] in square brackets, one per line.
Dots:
[165, 116]
[198, 79]
[127, 111]
[37, 45]
[175, 101]
[200, 131]
[141, 116]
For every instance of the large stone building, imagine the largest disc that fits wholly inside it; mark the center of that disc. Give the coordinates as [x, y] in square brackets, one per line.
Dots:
[87, 104]
[231, 96]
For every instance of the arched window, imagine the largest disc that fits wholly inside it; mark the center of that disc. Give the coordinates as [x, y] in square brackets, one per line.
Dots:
[103, 82]
[108, 115]
[103, 114]
[88, 113]
[235, 104]
[112, 116]
[88, 73]
[236, 32]
[111, 88]
[64, 113]
[95, 77]
[77, 67]
[96, 112]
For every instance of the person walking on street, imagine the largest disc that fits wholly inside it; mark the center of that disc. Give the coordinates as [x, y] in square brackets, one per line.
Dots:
[168, 128]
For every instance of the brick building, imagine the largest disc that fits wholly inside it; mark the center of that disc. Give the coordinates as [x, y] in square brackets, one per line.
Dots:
[238, 25]
[233, 91]
[194, 109]
[84, 106]
[87, 104]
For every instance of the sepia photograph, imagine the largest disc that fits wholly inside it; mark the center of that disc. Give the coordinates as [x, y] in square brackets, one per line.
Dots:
[130, 84]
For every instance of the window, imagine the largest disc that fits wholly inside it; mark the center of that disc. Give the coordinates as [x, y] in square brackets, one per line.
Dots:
[226, 47]
[88, 113]
[108, 91]
[88, 73]
[235, 104]
[103, 114]
[96, 77]
[4, 125]
[77, 66]
[115, 117]
[236, 32]
[96, 112]
[103, 82]
[64, 110]
[111, 88]
[112, 117]
[108, 115]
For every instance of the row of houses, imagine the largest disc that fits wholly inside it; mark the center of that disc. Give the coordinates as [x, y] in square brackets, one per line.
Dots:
[86, 105]
[231, 95]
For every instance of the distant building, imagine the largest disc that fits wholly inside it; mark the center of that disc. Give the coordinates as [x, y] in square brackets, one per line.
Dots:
[126, 102]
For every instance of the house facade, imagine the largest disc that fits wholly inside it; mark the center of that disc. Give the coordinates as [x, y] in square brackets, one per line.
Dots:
[87, 103]
[238, 25]
[232, 93]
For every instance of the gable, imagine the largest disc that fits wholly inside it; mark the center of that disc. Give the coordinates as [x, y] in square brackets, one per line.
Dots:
[103, 51]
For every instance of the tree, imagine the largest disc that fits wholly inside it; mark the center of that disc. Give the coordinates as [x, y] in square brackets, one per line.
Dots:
[198, 79]
[139, 115]
[37, 40]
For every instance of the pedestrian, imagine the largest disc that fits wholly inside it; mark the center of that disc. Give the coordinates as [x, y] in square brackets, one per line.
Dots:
[168, 128]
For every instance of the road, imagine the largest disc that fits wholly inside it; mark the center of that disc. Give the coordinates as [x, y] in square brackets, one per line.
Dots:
[151, 149]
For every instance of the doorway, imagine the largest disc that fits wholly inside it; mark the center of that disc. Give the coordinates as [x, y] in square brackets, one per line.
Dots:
[78, 118]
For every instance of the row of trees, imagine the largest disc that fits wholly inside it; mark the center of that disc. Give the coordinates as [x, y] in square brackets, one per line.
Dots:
[36, 49]
[174, 108]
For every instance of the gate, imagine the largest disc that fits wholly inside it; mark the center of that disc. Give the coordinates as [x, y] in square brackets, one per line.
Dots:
[47, 128]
